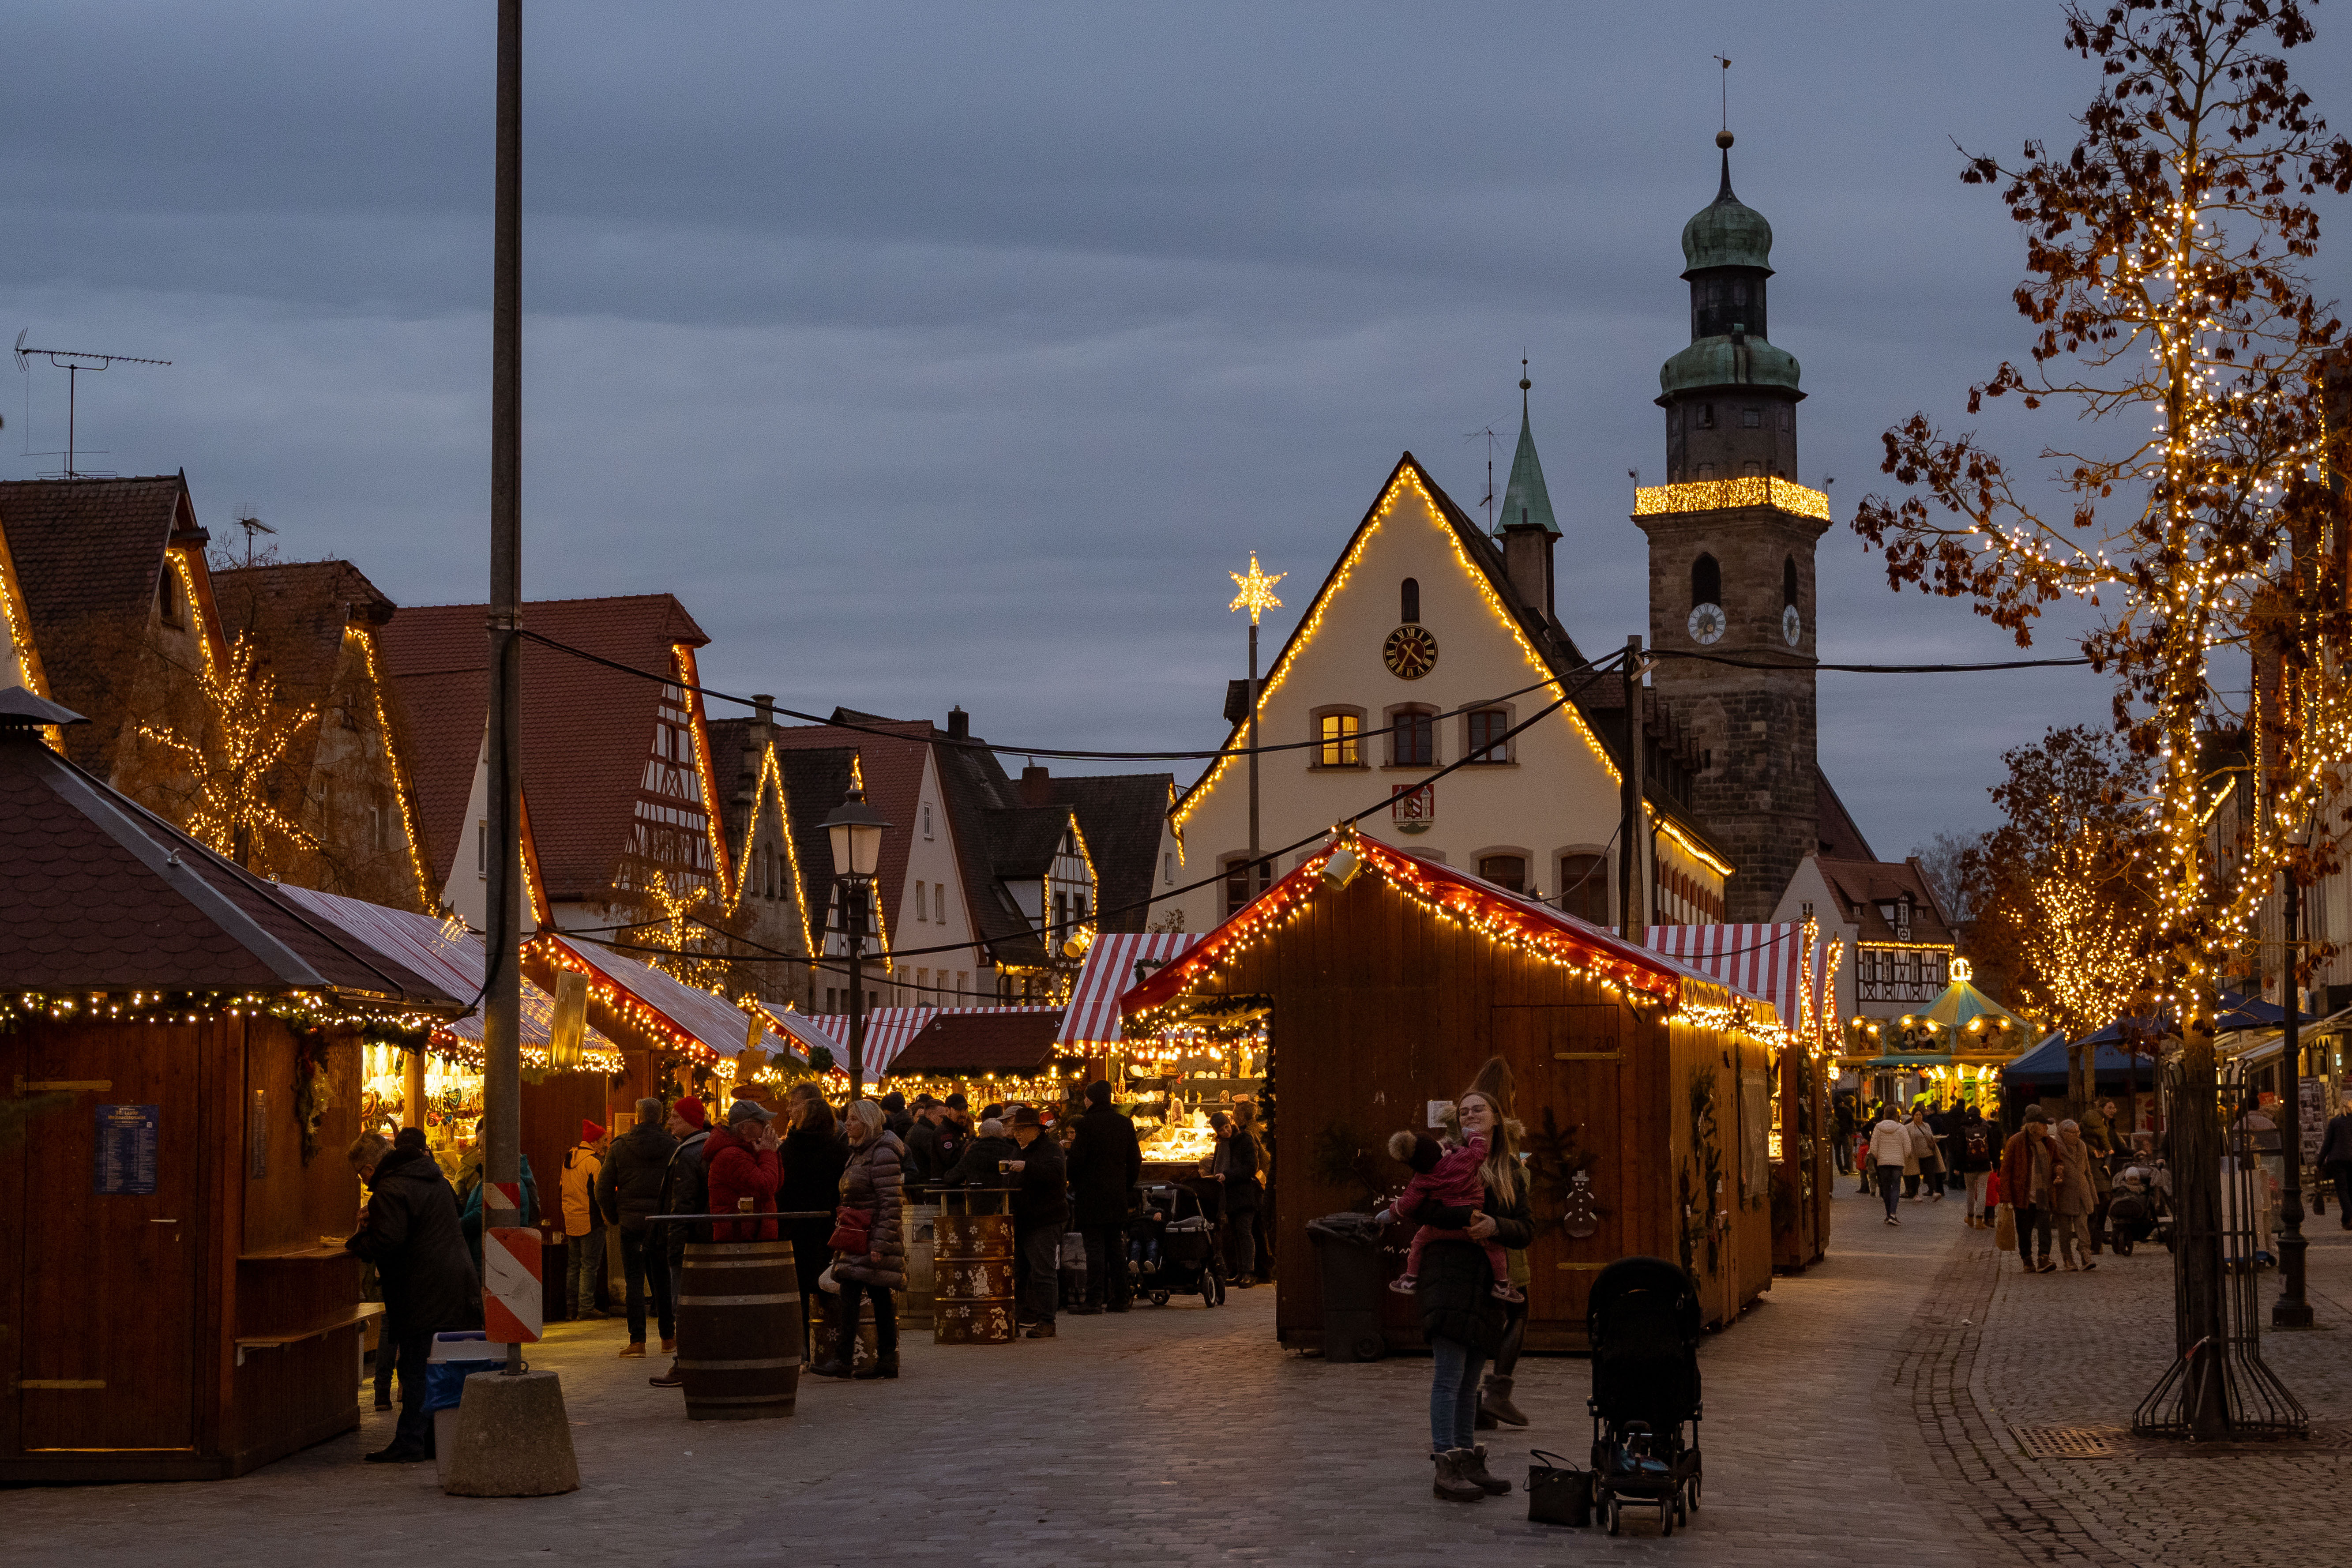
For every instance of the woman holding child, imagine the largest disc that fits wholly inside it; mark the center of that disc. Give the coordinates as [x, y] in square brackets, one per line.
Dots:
[1465, 1316]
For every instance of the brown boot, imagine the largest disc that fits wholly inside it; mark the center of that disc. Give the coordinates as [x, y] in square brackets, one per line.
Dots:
[669, 1347]
[1450, 1483]
[1494, 1404]
[1473, 1471]
[633, 1348]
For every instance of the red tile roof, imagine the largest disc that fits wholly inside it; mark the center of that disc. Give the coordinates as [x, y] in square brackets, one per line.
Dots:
[1861, 886]
[105, 895]
[892, 767]
[587, 732]
[88, 555]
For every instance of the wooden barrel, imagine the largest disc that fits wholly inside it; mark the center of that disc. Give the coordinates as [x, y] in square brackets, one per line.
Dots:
[915, 1301]
[739, 1330]
[974, 1279]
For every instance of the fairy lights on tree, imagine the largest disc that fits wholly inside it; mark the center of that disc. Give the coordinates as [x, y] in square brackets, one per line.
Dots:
[2176, 329]
[233, 759]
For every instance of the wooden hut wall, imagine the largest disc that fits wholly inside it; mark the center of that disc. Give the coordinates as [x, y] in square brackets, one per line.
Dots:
[130, 1307]
[1380, 1005]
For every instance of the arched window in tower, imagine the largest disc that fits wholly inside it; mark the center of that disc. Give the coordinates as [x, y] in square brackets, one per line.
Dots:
[1409, 601]
[1789, 582]
[1706, 582]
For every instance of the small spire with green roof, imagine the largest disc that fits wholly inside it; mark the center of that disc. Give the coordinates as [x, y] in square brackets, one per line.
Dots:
[1526, 502]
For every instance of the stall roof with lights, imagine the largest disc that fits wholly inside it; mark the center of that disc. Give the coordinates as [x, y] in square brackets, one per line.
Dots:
[105, 897]
[642, 1006]
[1766, 961]
[890, 1030]
[452, 957]
[1963, 1013]
[1013, 1042]
[1547, 933]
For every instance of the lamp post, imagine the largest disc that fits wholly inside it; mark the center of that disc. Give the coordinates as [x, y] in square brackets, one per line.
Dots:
[1256, 597]
[854, 829]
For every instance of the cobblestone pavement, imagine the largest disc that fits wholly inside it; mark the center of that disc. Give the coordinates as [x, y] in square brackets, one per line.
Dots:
[1994, 1349]
[1845, 1414]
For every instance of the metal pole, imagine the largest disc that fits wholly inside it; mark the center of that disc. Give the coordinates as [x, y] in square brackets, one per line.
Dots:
[1629, 831]
[502, 997]
[2291, 1310]
[73, 386]
[853, 915]
[1258, 879]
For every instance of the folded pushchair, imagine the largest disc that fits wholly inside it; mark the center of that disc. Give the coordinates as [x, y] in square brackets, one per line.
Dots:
[1642, 1321]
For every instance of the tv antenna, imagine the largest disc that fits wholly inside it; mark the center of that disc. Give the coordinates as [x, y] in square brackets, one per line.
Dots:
[73, 362]
[252, 525]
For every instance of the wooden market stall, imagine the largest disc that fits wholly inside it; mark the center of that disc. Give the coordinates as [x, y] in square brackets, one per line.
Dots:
[994, 1054]
[1387, 980]
[1791, 967]
[180, 1044]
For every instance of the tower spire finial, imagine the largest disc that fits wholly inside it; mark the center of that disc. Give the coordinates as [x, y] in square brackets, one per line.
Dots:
[1524, 385]
[1723, 137]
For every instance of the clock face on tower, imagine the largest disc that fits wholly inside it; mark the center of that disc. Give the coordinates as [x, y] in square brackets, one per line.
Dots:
[1793, 625]
[1707, 623]
[1409, 653]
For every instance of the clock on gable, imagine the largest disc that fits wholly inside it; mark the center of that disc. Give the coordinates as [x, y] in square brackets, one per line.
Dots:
[1409, 653]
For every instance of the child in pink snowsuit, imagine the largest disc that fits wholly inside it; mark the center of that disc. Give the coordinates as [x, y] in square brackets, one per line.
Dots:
[1450, 1176]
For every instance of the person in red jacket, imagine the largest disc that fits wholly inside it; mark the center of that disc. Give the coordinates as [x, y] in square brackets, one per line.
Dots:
[741, 1160]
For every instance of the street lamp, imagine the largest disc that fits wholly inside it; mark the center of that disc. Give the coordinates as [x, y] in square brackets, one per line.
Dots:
[855, 831]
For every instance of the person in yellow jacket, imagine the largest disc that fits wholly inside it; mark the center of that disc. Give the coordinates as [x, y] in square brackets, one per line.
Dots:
[584, 1222]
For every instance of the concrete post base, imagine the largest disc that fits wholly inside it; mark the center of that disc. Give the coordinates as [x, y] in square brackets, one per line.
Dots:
[513, 1439]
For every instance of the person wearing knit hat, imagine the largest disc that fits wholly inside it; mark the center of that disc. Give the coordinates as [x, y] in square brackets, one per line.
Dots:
[583, 1224]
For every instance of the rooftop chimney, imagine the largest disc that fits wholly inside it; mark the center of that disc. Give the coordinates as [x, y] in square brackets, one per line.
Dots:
[959, 724]
[1036, 785]
[763, 707]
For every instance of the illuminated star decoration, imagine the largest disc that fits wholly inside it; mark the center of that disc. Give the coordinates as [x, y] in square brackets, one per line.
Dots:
[1256, 594]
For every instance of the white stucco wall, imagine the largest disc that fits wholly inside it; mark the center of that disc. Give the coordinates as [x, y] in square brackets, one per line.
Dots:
[1556, 796]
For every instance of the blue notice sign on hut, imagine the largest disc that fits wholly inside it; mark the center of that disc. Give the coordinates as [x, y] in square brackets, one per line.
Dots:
[126, 1151]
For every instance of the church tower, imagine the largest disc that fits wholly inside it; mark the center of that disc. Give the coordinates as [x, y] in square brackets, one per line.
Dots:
[1731, 561]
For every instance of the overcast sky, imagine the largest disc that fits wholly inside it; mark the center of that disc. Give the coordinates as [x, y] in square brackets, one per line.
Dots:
[952, 354]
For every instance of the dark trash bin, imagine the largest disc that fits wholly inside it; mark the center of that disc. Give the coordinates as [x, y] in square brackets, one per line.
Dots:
[1348, 1253]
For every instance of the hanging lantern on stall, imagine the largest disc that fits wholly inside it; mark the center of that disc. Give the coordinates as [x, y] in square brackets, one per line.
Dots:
[567, 1031]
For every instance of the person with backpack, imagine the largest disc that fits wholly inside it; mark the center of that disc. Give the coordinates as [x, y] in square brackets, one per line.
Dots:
[1976, 1149]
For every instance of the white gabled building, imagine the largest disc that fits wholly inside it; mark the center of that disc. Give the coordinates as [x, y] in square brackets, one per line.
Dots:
[1429, 639]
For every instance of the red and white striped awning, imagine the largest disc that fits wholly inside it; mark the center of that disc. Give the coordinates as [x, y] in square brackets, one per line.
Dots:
[1766, 961]
[1115, 964]
[888, 1031]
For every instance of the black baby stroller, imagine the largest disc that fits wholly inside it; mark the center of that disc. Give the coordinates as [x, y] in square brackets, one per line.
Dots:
[2138, 1211]
[1644, 1323]
[1171, 1246]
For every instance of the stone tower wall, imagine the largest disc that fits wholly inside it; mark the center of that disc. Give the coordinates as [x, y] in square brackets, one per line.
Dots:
[1756, 729]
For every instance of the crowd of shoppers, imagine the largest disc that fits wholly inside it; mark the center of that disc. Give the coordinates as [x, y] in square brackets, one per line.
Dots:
[836, 1184]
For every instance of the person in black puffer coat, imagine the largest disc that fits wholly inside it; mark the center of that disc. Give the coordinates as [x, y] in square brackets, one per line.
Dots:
[1464, 1319]
[410, 1232]
[814, 1152]
[1106, 1163]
